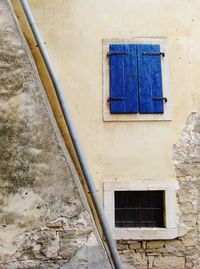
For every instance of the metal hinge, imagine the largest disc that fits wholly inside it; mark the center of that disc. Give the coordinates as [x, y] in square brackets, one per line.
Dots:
[115, 99]
[116, 53]
[160, 99]
[154, 53]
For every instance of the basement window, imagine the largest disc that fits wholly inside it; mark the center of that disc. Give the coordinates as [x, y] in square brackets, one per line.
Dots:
[141, 209]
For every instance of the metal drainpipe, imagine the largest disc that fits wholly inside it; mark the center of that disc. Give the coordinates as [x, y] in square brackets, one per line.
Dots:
[92, 189]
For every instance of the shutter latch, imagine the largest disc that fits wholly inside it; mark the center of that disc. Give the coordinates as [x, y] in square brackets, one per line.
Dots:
[160, 99]
[117, 53]
[115, 99]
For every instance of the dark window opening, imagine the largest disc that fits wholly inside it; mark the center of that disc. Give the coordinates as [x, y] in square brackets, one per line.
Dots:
[139, 209]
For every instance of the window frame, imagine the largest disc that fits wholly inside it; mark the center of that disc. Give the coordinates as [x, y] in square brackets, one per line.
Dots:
[167, 115]
[170, 211]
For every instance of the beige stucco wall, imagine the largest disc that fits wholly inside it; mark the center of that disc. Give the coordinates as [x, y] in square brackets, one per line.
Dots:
[73, 31]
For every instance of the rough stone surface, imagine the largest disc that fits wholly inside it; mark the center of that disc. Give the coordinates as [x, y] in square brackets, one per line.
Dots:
[45, 221]
[184, 251]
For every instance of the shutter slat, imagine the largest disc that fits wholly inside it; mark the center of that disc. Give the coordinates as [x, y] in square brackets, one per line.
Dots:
[131, 81]
[150, 79]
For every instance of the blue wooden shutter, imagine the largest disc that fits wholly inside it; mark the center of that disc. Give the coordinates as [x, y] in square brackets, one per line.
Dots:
[150, 79]
[123, 79]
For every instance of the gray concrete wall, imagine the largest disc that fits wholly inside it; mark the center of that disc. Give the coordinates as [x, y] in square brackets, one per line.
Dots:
[45, 221]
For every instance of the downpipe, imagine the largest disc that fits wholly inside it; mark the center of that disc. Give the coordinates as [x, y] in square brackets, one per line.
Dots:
[74, 137]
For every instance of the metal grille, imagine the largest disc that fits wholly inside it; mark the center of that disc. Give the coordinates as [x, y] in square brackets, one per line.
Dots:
[139, 209]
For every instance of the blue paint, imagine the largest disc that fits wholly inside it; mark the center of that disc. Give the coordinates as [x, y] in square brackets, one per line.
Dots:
[150, 79]
[131, 81]
[117, 78]
[123, 79]
[135, 78]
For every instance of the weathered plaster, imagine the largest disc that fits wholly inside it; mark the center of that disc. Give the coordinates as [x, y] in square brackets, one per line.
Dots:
[182, 252]
[73, 32]
[45, 220]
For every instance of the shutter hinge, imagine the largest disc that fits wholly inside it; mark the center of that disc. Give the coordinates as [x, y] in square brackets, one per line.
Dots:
[160, 99]
[115, 99]
[116, 53]
[154, 53]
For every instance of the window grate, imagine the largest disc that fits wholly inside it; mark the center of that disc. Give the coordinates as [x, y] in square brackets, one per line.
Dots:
[139, 209]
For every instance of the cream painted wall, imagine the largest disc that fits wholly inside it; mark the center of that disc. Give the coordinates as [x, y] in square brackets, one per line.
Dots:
[73, 31]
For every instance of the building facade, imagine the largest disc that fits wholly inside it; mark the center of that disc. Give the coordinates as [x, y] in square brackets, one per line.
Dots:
[129, 71]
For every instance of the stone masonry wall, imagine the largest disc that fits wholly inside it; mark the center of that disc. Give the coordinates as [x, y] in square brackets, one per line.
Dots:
[183, 252]
[45, 221]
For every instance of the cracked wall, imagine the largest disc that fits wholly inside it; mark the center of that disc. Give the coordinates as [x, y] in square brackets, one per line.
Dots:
[183, 252]
[45, 221]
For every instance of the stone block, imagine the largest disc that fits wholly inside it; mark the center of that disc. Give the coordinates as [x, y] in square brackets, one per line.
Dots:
[192, 262]
[150, 262]
[169, 262]
[155, 244]
[144, 244]
[136, 245]
[121, 246]
[134, 260]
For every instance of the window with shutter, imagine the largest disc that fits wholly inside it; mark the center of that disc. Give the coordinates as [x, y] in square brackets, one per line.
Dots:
[136, 80]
